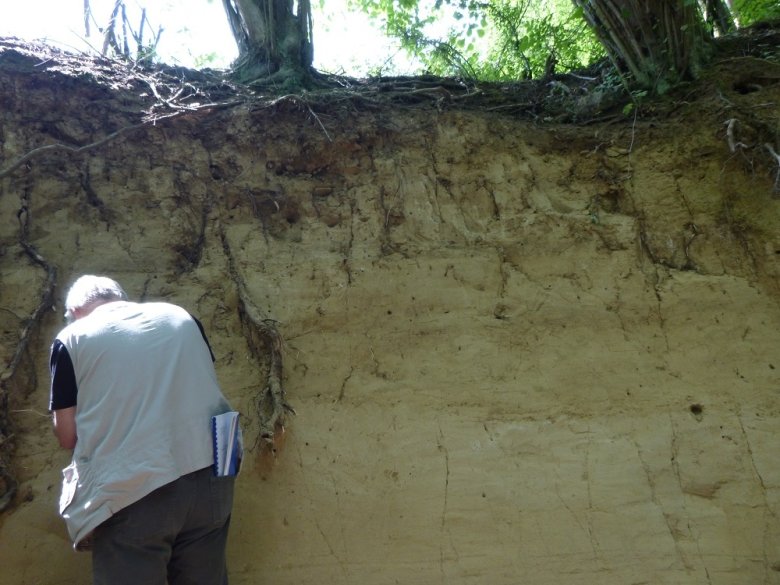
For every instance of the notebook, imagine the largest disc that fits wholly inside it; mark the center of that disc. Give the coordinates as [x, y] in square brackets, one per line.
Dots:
[228, 443]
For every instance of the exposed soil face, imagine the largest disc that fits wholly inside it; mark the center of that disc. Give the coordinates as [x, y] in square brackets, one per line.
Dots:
[525, 343]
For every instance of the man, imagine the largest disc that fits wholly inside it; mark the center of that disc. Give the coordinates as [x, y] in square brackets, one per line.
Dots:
[133, 392]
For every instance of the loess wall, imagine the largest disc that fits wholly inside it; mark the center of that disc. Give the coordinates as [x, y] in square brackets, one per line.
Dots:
[518, 351]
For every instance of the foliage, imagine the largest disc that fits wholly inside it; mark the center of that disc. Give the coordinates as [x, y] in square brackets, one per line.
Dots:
[653, 45]
[498, 40]
[751, 11]
[531, 43]
[204, 60]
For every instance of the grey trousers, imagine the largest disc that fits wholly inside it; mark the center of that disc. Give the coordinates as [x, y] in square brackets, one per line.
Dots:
[178, 532]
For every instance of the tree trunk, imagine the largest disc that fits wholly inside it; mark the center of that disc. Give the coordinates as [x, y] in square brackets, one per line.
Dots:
[658, 42]
[274, 41]
[719, 16]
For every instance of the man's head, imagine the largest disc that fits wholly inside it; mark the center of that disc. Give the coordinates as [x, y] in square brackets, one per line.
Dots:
[88, 292]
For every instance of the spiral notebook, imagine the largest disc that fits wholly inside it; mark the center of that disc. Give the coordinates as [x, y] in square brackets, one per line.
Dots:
[228, 443]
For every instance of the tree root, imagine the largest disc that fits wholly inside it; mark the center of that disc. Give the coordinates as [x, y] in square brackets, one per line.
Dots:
[776, 187]
[262, 337]
[733, 142]
[58, 146]
[149, 120]
[9, 487]
[737, 146]
[8, 484]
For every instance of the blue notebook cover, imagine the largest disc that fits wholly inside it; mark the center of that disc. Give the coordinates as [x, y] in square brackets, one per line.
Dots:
[228, 443]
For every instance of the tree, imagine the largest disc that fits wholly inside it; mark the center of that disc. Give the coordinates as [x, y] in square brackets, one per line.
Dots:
[274, 39]
[118, 33]
[719, 16]
[539, 38]
[658, 42]
[653, 44]
[751, 11]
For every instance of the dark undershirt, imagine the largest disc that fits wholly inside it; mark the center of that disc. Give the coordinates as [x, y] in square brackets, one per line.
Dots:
[64, 389]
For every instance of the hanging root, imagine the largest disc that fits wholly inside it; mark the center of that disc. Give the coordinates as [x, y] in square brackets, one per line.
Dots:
[8, 483]
[735, 145]
[58, 146]
[776, 187]
[731, 125]
[263, 338]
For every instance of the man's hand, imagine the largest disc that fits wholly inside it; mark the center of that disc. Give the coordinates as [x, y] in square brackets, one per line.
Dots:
[65, 427]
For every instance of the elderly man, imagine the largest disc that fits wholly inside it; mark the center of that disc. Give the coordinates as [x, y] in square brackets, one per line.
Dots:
[133, 392]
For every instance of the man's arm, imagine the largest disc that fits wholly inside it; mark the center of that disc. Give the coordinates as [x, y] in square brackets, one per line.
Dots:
[203, 334]
[65, 427]
[62, 400]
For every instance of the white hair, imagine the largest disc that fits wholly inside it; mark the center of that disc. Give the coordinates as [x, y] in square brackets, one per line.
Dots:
[90, 288]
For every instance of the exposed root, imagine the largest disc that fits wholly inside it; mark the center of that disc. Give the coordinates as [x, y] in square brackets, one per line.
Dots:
[737, 146]
[301, 102]
[776, 186]
[262, 337]
[58, 146]
[8, 484]
[731, 125]
[690, 264]
[150, 120]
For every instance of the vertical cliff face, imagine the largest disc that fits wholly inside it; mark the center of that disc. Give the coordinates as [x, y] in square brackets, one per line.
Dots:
[518, 351]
